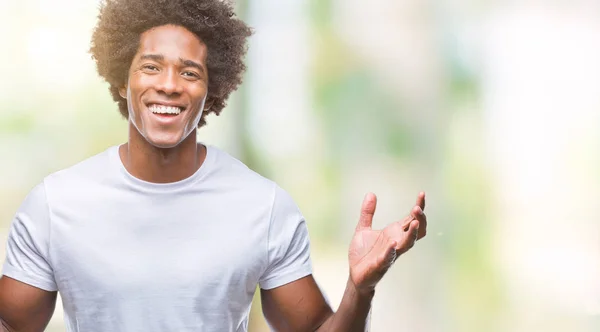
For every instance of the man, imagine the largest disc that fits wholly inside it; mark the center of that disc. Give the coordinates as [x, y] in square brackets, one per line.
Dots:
[163, 233]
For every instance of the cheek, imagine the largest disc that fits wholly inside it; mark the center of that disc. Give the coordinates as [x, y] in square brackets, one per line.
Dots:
[200, 91]
[198, 95]
[133, 97]
[137, 82]
[136, 89]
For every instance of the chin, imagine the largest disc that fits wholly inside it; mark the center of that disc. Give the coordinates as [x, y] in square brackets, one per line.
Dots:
[164, 141]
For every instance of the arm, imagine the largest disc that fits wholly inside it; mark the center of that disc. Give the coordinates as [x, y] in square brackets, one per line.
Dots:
[24, 308]
[353, 313]
[300, 305]
[27, 286]
[297, 306]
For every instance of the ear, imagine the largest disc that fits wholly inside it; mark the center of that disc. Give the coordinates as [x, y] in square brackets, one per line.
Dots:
[208, 104]
[123, 92]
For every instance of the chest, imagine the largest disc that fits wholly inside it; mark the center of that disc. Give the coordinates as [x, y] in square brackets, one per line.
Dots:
[167, 249]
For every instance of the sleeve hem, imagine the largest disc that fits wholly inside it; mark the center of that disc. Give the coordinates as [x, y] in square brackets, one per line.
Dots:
[28, 278]
[285, 279]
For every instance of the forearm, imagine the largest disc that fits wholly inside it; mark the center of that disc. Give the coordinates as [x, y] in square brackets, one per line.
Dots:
[352, 313]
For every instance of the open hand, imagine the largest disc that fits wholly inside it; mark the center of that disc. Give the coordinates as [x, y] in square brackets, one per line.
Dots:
[372, 252]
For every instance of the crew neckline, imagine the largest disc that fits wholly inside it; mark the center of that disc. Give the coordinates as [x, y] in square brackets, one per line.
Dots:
[167, 186]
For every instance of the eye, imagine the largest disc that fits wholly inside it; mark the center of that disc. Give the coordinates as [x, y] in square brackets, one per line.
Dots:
[150, 67]
[190, 74]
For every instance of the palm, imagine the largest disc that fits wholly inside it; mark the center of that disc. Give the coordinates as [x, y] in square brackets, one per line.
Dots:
[361, 244]
[362, 257]
[372, 252]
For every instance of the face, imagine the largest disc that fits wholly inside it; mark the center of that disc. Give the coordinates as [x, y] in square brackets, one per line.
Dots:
[167, 85]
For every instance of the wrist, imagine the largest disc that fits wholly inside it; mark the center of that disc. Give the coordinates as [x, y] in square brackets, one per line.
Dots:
[361, 293]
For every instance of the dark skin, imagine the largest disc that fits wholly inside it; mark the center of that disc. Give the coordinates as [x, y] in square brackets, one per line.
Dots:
[24, 308]
[169, 69]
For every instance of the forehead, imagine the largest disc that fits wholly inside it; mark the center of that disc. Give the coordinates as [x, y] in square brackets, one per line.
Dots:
[172, 41]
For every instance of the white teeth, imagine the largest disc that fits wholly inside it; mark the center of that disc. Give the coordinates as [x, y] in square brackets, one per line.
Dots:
[161, 109]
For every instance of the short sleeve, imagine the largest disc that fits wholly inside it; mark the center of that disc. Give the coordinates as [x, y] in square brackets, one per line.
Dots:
[27, 247]
[288, 244]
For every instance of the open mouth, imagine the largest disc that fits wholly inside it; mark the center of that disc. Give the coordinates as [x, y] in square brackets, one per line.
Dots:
[165, 110]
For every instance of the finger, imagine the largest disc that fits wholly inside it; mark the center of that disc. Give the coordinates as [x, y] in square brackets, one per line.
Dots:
[406, 222]
[396, 233]
[410, 237]
[415, 212]
[420, 206]
[422, 218]
[367, 211]
[421, 200]
[413, 232]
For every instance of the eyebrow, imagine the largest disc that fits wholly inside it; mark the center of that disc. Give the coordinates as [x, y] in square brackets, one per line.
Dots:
[184, 62]
[155, 57]
[190, 63]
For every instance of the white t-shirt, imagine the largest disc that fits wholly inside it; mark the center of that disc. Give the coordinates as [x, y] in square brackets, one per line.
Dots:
[129, 255]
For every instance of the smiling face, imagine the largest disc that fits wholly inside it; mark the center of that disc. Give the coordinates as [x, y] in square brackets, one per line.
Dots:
[167, 86]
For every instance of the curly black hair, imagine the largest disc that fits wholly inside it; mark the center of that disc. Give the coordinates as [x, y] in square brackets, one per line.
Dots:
[116, 38]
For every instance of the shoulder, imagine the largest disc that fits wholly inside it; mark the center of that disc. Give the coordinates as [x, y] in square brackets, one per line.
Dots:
[36, 201]
[233, 173]
[93, 170]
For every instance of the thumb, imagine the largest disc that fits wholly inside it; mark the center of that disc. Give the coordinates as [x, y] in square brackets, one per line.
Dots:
[367, 211]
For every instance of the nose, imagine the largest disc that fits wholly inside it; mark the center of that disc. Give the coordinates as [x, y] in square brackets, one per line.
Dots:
[169, 83]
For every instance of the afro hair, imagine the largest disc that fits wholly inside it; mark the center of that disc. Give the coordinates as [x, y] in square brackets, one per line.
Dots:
[116, 39]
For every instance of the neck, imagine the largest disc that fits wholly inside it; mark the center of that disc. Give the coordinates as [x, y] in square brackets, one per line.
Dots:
[161, 165]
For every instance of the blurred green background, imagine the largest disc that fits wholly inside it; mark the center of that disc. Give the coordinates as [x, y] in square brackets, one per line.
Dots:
[491, 107]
